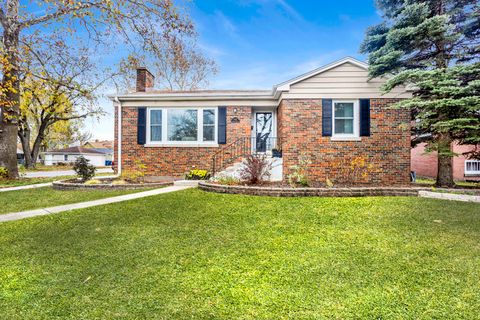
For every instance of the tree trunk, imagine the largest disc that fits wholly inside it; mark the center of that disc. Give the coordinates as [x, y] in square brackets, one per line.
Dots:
[24, 135]
[445, 166]
[10, 84]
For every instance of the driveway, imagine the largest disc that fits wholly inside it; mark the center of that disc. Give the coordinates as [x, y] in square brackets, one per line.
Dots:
[50, 174]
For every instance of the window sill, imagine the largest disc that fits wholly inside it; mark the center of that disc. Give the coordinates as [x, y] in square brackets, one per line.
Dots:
[345, 139]
[181, 145]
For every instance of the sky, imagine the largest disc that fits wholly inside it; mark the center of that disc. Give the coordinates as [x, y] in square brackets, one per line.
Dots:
[260, 43]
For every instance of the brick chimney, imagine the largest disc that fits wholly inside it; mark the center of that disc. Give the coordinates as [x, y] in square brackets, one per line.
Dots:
[145, 80]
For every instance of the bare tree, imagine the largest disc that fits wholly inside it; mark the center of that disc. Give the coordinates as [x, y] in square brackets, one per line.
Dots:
[138, 23]
[177, 64]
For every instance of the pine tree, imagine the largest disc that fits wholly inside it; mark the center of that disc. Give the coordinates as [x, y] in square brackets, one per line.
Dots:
[433, 48]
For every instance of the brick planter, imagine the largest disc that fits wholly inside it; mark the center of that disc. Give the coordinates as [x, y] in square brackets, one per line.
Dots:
[311, 192]
[68, 185]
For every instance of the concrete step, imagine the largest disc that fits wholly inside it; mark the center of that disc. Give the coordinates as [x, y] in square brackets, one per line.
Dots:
[186, 183]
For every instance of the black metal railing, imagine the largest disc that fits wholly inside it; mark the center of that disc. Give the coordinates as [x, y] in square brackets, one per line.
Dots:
[243, 147]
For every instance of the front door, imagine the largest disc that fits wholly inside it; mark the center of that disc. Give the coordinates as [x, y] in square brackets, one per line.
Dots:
[263, 131]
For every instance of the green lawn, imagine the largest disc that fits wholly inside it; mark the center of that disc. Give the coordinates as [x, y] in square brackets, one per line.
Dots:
[15, 201]
[429, 181]
[7, 183]
[197, 255]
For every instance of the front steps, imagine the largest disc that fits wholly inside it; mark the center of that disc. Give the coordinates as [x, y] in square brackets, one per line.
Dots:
[234, 170]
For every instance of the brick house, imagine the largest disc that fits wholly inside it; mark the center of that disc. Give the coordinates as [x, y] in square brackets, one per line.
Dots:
[333, 116]
[426, 164]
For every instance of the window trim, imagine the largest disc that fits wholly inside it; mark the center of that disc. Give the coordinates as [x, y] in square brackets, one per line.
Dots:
[165, 142]
[471, 173]
[149, 125]
[356, 120]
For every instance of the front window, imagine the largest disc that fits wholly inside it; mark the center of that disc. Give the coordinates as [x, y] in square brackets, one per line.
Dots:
[209, 125]
[182, 125]
[472, 167]
[345, 118]
[156, 125]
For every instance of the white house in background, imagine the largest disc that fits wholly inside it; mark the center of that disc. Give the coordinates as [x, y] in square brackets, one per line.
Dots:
[97, 157]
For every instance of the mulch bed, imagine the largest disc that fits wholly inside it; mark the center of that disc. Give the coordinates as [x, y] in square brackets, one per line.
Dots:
[75, 184]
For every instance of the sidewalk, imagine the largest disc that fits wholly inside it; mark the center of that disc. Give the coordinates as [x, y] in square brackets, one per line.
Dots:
[29, 186]
[45, 211]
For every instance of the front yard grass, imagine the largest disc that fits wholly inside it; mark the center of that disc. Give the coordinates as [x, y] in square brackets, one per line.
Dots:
[428, 181]
[8, 183]
[198, 255]
[21, 200]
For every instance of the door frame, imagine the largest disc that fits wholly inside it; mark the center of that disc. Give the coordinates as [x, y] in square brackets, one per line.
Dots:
[254, 124]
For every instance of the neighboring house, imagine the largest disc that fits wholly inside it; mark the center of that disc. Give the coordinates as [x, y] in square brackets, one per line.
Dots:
[333, 116]
[426, 164]
[69, 155]
[20, 154]
[105, 146]
[99, 144]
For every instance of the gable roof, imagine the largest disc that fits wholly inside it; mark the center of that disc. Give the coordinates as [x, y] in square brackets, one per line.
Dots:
[75, 150]
[103, 150]
[98, 144]
[285, 86]
[242, 97]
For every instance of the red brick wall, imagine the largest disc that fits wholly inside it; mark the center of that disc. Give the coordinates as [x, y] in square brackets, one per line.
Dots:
[426, 164]
[175, 161]
[386, 152]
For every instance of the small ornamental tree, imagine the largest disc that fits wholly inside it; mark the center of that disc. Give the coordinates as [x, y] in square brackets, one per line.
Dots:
[256, 168]
[433, 48]
[84, 169]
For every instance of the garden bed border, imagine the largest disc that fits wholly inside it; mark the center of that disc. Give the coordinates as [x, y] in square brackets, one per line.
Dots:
[312, 192]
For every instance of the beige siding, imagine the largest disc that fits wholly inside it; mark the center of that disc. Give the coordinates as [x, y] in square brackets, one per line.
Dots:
[344, 81]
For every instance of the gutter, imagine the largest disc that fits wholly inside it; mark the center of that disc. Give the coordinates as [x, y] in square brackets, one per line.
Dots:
[119, 136]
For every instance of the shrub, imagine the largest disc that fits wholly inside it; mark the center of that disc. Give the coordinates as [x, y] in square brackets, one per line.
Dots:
[298, 177]
[198, 175]
[93, 181]
[256, 168]
[3, 173]
[84, 169]
[357, 170]
[228, 181]
[119, 182]
[137, 174]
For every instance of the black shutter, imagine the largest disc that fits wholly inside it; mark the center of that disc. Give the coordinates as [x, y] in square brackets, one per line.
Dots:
[142, 125]
[327, 117]
[222, 125]
[364, 117]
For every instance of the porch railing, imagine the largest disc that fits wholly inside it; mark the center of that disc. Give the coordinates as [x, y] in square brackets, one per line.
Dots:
[242, 147]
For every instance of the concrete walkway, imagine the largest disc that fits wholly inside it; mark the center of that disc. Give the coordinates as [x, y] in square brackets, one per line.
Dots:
[29, 186]
[45, 211]
[60, 173]
[449, 196]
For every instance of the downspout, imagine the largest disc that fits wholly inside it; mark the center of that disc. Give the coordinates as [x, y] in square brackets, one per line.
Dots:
[119, 137]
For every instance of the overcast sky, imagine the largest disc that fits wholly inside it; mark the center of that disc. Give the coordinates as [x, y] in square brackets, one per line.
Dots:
[259, 43]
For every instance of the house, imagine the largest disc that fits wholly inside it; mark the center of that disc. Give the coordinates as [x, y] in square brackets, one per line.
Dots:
[426, 164]
[334, 116]
[105, 146]
[97, 157]
[99, 144]
[20, 154]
